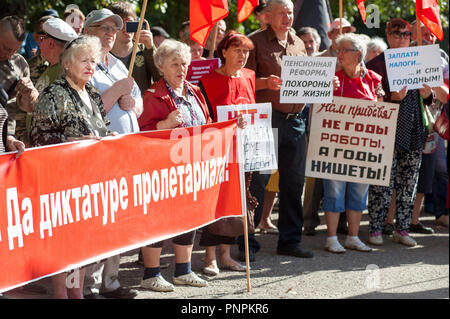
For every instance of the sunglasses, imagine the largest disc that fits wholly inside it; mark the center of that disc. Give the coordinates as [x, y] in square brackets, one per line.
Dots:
[398, 34]
[345, 50]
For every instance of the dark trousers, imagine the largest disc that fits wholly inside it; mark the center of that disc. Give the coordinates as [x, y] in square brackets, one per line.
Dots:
[291, 167]
[291, 138]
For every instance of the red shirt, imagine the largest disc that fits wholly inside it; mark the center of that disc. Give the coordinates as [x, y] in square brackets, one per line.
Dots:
[225, 90]
[363, 88]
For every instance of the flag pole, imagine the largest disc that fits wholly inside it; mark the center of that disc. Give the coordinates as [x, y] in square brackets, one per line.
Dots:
[136, 42]
[340, 16]
[214, 39]
[419, 30]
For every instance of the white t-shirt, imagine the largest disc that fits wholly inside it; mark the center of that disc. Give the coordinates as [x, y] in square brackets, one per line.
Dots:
[104, 77]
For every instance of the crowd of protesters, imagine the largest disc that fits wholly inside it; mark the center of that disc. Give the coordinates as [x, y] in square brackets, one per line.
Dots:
[68, 80]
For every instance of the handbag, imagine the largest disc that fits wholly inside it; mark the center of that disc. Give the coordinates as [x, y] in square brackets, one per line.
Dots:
[441, 124]
[234, 226]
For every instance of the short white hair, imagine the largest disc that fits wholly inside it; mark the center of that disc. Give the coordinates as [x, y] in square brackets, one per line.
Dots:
[284, 3]
[356, 41]
[85, 43]
[169, 49]
[377, 43]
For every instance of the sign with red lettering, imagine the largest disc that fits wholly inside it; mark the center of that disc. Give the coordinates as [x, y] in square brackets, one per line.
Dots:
[257, 137]
[352, 140]
[68, 205]
[199, 68]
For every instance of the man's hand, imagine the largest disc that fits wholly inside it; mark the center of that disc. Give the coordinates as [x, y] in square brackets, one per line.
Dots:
[14, 145]
[27, 95]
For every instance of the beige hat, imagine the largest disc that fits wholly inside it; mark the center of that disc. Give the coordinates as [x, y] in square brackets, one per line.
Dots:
[345, 24]
[59, 29]
[100, 15]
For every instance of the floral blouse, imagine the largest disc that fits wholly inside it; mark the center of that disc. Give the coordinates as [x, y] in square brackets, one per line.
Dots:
[60, 113]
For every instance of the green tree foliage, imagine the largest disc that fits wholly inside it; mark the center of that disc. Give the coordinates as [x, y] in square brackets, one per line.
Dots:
[171, 13]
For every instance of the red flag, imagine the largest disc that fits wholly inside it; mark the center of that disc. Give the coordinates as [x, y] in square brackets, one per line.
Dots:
[245, 9]
[203, 14]
[428, 13]
[362, 9]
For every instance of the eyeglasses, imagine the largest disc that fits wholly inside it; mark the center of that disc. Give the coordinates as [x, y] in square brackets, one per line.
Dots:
[106, 28]
[345, 50]
[398, 34]
[43, 36]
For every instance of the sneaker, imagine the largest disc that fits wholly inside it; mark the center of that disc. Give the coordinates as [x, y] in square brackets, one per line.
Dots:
[157, 283]
[403, 238]
[375, 238]
[190, 279]
[388, 229]
[420, 229]
[355, 243]
[333, 246]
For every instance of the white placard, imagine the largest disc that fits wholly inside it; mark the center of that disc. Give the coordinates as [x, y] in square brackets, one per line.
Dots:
[414, 66]
[257, 137]
[352, 140]
[307, 79]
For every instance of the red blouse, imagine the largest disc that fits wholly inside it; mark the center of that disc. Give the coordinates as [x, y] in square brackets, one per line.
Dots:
[363, 88]
[225, 90]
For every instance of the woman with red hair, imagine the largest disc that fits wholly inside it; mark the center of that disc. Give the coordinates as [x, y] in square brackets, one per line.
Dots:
[230, 84]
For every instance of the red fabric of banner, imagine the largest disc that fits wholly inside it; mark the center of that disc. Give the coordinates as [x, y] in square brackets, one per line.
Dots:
[68, 205]
[203, 14]
[245, 9]
[362, 9]
[428, 13]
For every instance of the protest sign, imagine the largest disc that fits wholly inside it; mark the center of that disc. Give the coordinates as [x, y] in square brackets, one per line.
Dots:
[199, 68]
[352, 140]
[414, 66]
[257, 137]
[307, 79]
[68, 205]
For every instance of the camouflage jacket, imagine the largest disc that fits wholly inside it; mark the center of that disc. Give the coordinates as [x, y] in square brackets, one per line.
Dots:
[10, 71]
[60, 113]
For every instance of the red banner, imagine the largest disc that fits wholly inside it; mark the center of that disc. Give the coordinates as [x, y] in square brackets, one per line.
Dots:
[203, 14]
[428, 13]
[245, 9]
[362, 9]
[68, 205]
[197, 69]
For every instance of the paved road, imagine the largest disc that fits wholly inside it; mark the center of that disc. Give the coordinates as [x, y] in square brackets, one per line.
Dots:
[392, 271]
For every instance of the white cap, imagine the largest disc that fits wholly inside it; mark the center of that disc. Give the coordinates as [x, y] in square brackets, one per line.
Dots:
[336, 24]
[59, 29]
[100, 15]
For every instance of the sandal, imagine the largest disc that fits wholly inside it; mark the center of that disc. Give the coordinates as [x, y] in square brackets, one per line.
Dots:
[237, 267]
[190, 279]
[157, 283]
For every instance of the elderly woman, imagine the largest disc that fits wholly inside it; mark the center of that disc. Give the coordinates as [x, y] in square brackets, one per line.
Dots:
[170, 103]
[355, 81]
[230, 84]
[67, 110]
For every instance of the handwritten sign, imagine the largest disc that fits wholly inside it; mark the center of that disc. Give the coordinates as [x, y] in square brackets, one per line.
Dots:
[307, 79]
[414, 66]
[258, 140]
[199, 68]
[352, 140]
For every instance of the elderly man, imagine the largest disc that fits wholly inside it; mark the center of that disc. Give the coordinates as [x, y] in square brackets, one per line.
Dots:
[15, 77]
[123, 103]
[56, 33]
[271, 45]
[311, 39]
